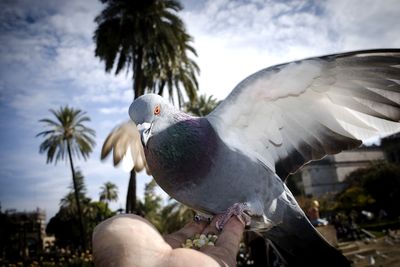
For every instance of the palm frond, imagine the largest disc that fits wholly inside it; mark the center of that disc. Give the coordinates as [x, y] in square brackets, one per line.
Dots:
[150, 39]
[68, 126]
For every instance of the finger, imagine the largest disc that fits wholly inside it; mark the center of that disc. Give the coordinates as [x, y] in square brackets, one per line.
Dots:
[211, 227]
[175, 240]
[227, 245]
[231, 235]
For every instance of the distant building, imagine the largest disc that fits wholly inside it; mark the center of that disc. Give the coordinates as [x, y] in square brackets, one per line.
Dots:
[328, 174]
[25, 231]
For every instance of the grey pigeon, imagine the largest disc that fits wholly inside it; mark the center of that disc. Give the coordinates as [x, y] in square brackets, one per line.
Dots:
[271, 124]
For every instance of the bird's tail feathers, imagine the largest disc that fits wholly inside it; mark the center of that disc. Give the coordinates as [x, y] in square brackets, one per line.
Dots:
[300, 244]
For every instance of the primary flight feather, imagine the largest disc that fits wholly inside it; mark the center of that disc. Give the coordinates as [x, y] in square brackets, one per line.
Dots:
[127, 148]
[271, 124]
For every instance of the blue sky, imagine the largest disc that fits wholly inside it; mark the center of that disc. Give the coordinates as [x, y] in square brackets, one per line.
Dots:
[47, 60]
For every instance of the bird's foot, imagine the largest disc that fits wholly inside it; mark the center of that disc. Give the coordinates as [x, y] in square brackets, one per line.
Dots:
[199, 218]
[240, 210]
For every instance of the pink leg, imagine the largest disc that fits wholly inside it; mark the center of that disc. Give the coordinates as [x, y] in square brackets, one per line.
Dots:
[238, 210]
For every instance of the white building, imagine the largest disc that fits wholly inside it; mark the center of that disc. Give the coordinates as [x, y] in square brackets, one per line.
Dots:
[328, 174]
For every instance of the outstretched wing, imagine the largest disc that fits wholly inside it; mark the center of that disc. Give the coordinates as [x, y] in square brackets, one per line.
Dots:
[289, 114]
[124, 141]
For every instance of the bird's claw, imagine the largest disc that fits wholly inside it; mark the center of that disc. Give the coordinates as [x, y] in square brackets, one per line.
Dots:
[240, 210]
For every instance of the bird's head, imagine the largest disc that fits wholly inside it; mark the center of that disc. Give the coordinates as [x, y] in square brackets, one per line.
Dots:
[150, 114]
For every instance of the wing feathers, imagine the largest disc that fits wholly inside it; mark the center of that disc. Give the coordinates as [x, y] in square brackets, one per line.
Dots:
[292, 113]
[124, 141]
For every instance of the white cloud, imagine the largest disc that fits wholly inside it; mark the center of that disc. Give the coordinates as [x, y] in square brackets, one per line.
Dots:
[114, 110]
[370, 24]
[57, 51]
[235, 38]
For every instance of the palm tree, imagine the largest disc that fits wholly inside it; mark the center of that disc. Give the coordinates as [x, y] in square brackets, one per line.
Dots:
[174, 216]
[147, 38]
[201, 105]
[109, 192]
[67, 135]
[69, 200]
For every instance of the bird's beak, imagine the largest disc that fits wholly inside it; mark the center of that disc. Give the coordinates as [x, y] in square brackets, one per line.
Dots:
[145, 132]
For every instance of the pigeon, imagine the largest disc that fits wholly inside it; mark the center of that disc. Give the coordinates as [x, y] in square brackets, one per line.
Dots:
[235, 160]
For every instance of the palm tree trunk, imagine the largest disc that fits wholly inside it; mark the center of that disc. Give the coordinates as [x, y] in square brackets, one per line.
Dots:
[138, 90]
[131, 196]
[162, 86]
[78, 205]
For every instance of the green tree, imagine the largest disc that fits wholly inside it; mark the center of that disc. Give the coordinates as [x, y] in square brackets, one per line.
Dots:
[374, 187]
[354, 198]
[68, 136]
[64, 225]
[174, 216]
[148, 39]
[69, 200]
[96, 212]
[202, 105]
[152, 204]
[168, 218]
[109, 192]
[382, 182]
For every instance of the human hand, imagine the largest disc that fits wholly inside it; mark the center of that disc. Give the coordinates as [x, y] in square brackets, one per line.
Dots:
[130, 240]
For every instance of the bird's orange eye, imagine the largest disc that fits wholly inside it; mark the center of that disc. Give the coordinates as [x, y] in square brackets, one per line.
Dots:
[157, 110]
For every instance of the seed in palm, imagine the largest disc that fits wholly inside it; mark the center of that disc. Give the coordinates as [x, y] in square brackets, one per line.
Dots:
[198, 241]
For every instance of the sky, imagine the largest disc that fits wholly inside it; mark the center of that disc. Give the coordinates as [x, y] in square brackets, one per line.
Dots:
[47, 60]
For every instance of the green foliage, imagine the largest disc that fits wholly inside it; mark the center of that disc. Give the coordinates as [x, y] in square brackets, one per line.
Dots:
[375, 187]
[354, 197]
[151, 207]
[202, 105]
[67, 135]
[383, 184]
[148, 38]
[69, 200]
[67, 130]
[19, 248]
[168, 218]
[65, 224]
[174, 216]
[109, 192]
[94, 213]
